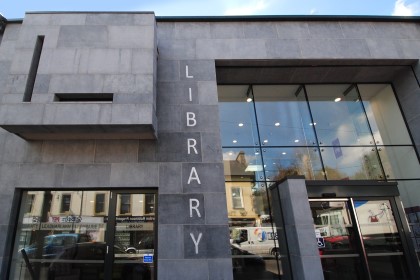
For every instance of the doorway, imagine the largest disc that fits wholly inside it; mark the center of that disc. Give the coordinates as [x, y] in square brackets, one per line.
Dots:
[360, 238]
[85, 234]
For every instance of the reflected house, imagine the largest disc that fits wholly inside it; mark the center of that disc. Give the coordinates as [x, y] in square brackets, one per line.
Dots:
[243, 194]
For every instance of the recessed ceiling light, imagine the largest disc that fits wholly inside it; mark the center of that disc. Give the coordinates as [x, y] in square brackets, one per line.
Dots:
[338, 99]
[274, 163]
[230, 153]
[235, 141]
[313, 123]
[277, 124]
[240, 124]
[283, 153]
[297, 141]
[265, 141]
[257, 153]
[249, 99]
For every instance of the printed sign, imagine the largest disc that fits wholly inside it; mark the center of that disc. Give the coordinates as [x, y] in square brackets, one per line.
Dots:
[148, 258]
[321, 242]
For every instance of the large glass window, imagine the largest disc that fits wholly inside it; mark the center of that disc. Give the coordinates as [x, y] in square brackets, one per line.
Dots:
[77, 243]
[323, 132]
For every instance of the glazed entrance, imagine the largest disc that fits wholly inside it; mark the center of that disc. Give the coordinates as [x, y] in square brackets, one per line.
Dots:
[360, 238]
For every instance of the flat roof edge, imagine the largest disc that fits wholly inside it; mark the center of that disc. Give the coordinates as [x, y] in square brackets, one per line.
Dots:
[288, 18]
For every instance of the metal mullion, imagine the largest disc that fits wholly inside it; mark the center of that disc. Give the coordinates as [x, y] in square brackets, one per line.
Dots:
[360, 238]
[316, 134]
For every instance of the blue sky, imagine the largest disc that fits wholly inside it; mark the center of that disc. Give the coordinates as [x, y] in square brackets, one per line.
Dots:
[12, 9]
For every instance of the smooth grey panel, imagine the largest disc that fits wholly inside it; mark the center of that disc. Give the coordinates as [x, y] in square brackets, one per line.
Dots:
[16, 84]
[6, 206]
[210, 175]
[169, 118]
[134, 175]
[168, 70]
[216, 211]
[231, 49]
[174, 147]
[142, 37]
[227, 30]
[170, 178]
[143, 62]
[147, 150]
[14, 149]
[175, 49]
[292, 30]
[76, 83]
[327, 29]
[352, 48]
[284, 48]
[171, 242]
[175, 209]
[8, 176]
[192, 30]
[108, 151]
[176, 269]
[207, 93]
[83, 36]
[109, 19]
[357, 30]
[383, 48]
[395, 30]
[42, 84]
[318, 48]
[410, 48]
[67, 19]
[11, 33]
[220, 269]
[86, 175]
[21, 61]
[214, 242]
[259, 30]
[68, 151]
[211, 147]
[37, 175]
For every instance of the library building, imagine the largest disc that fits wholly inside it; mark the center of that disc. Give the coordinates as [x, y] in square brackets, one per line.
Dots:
[134, 146]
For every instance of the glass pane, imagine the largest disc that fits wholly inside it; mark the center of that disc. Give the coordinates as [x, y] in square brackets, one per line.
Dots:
[282, 162]
[384, 114]
[243, 164]
[237, 116]
[54, 244]
[134, 237]
[337, 242]
[400, 162]
[338, 115]
[351, 163]
[283, 116]
[381, 239]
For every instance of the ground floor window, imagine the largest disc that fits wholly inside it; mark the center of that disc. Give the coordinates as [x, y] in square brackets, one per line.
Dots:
[79, 234]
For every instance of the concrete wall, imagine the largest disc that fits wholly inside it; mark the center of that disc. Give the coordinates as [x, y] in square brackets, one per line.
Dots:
[165, 163]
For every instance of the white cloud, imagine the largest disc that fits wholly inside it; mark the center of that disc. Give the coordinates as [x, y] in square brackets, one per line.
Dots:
[402, 8]
[250, 7]
[313, 11]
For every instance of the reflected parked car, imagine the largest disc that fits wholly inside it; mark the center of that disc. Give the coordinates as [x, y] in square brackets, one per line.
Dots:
[246, 265]
[86, 261]
[54, 244]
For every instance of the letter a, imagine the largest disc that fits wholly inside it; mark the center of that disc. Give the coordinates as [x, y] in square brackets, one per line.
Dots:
[193, 176]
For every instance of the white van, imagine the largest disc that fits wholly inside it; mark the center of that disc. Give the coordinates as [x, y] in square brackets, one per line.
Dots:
[255, 240]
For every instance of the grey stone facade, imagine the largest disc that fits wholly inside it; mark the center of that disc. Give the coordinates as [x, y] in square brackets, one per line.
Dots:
[163, 75]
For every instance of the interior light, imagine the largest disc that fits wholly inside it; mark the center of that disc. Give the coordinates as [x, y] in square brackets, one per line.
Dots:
[274, 163]
[249, 99]
[241, 124]
[141, 201]
[265, 141]
[297, 141]
[92, 201]
[283, 153]
[338, 99]
[230, 153]
[277, 124]
[257, 153]
[235, 141]
[313, 123]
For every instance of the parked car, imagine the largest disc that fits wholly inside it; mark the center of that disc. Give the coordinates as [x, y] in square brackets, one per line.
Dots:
[54, 244]
[86, 261]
